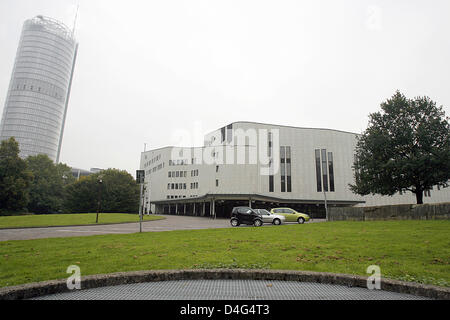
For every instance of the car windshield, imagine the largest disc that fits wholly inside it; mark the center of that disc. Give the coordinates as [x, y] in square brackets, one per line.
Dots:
[263, 211]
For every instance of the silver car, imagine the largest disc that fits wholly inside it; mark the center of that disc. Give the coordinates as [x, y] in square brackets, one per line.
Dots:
[270, 217]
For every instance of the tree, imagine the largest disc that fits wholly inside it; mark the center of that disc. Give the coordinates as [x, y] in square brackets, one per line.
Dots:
[119, 193]
[15, 178]
[47, 190]
[405, 147]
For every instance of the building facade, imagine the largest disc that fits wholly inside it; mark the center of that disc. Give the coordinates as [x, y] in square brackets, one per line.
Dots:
[262, 166]
[38, 94]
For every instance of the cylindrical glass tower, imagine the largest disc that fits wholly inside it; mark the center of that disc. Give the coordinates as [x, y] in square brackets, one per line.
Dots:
[38, 94]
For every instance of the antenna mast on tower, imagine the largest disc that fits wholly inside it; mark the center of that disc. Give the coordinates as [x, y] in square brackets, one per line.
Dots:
[75, 20]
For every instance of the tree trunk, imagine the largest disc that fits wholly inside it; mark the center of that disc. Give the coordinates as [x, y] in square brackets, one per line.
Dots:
[419, 196]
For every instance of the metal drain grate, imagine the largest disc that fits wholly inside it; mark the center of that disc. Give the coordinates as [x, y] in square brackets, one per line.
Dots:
[229, 290]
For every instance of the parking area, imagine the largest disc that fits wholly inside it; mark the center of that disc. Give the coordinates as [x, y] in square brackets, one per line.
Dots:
[171, 222]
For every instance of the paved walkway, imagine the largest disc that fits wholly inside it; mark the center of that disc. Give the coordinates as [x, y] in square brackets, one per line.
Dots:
[170, 223]
[230, 290]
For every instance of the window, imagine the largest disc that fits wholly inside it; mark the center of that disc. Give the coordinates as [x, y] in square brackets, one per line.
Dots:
[270, 183]
[217, 182]
[318, 173]
[269, 144]
[283, 168]
[324, 169]
[170, 174]
[217, 168]
[288, 170]
[222, 134]
[331, 170]
[229, 132]
[244, 211]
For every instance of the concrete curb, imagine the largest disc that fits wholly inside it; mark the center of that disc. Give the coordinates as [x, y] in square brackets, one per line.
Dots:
[59, 286]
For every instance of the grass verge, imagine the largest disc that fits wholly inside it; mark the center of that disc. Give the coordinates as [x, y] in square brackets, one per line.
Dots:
[407, 250]
[48, 220]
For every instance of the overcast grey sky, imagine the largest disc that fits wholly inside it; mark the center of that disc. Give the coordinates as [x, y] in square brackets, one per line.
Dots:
[147, 69]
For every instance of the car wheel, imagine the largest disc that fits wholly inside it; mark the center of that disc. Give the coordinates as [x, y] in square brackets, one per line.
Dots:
[257, 223]
[234, 222]
[276, 222]
[301, 220]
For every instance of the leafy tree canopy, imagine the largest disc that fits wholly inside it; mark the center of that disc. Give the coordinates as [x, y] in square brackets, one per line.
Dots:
[15, 178]
[47, 190]
[405, 147]
[118, 192]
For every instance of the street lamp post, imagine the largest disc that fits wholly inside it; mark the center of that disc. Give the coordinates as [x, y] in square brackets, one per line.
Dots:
[100, 181]
[140, 178]
[325, 202]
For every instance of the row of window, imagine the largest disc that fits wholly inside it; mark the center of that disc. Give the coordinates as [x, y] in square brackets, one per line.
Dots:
[178, 162]
[50, 50]
[32, 59]
[36, 97]
[41, 33]
[31, 115]
[176, 186]
[34, 139]
[182, 162]
[43, 55]
[177, 174]
[34, 109]
[39, 89]
[35, 77]
[175, 197]
[42, 71]
[32, 126]
[39, 76]
[30, 132]
[155, 168]
[151, 161]
[181, 186]
[43, 67]
[178, 197]
[46, 45]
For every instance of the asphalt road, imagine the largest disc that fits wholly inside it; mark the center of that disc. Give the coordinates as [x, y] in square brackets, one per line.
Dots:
[170, 223]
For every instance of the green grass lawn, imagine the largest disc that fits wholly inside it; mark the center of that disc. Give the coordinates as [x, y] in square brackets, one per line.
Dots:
[406, 250]
[46, 220]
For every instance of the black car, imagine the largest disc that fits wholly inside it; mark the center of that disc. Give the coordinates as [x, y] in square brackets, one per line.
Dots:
[245, 215]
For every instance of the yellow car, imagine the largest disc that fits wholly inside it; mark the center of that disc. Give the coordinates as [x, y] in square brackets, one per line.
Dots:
[291, 215]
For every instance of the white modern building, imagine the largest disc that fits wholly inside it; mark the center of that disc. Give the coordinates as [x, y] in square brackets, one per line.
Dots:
[38, 95]
[263, 166]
